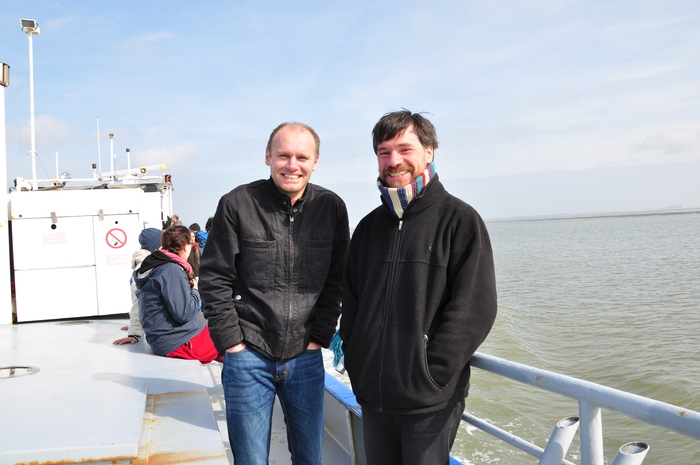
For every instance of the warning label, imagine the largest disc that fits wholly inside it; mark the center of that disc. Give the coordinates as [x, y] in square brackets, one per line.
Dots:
[117, 259]
[116, 238]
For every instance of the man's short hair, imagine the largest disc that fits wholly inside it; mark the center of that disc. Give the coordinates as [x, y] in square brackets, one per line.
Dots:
[395, 123]
[299, 126]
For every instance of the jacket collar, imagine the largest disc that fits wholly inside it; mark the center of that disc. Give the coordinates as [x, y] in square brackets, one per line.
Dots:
[283, 200]
[154, 260]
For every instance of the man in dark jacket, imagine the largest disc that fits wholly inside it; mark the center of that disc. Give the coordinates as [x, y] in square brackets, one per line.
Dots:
[271, 277]
[419, 298]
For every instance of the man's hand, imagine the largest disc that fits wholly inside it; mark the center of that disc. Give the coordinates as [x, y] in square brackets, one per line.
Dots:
[313, 346]
[236, 348]
[126, 340]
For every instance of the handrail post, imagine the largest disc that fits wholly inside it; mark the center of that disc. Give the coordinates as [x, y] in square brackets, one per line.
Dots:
[632, 453]
[591, 433]
[559, 442]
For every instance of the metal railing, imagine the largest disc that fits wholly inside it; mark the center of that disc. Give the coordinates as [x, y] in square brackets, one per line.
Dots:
[591, 399]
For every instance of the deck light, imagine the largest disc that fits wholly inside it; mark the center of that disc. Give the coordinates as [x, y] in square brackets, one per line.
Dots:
[29, 26]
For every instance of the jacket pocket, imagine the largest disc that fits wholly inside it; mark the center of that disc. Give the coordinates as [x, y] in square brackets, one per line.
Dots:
[318, 261]
[258, 260]
[426, 342]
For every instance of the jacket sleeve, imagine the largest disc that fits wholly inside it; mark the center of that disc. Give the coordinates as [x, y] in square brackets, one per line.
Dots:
[135, 328]
[328, 303]
[471, 310]
[217, 278]
[349, 310]
[182, 301]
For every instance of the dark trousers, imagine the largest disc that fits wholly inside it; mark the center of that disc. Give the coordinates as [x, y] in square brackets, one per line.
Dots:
[422, 439]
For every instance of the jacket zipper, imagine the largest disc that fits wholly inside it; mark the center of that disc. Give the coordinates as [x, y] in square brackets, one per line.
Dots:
[387, 307]
[290, 287]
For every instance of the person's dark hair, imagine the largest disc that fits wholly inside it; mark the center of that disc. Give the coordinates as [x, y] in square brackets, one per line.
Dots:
[195, 227]
[167, 223]
[298, 126]
[207, 225]
[176, 238]
[395, 123]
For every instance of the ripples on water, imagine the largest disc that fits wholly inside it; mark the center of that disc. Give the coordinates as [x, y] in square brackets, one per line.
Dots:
[614, 301]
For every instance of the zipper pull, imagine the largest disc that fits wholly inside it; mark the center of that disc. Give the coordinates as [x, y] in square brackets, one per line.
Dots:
[291, 218]
[400, 224]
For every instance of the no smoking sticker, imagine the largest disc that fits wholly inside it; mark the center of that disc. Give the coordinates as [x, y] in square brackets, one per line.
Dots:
[116, 238]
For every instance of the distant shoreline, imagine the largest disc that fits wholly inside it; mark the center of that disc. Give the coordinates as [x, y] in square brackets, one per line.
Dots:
[561, 217]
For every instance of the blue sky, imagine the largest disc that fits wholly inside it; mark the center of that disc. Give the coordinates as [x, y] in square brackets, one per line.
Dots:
[541, 107]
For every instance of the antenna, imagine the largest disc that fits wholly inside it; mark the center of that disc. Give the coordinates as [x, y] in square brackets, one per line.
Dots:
[99, 156]
[113, 157]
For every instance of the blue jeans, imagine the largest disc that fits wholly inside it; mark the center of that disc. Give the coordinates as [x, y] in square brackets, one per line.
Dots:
[251, 382]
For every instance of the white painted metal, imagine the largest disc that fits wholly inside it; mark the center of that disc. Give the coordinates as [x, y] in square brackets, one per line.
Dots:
[40, 293]
[654, 412]
[96, 402]
[41, 244]
[99, 153]
[591, 434]
[113, 160]
[506, 437]
[116, 240]
[32, 132]
[5, 291]
[70, 240]
[559, 442]
[632, 453]
[592, 397]
[85, 203]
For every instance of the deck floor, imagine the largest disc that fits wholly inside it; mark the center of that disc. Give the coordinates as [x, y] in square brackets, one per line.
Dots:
[92, 401]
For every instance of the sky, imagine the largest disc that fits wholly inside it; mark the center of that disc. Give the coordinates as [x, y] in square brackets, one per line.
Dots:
[541, 107]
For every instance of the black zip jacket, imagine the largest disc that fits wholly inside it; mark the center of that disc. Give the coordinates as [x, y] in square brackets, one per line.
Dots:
[271, 273]
[419, 298]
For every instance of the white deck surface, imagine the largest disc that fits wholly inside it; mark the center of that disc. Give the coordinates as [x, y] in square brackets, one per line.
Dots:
[94, 402]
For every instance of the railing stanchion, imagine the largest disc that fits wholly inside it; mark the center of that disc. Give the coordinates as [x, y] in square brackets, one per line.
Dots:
[591, 433]
[632, 453]
[559, 442]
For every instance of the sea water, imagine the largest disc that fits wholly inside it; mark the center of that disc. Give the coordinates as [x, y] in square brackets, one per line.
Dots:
[615, 301]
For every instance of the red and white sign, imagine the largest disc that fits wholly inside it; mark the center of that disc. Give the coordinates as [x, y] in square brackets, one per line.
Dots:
[116, 238]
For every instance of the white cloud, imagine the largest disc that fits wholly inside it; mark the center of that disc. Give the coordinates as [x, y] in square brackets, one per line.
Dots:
[50, 132]
[170, 156]
[644, 70]
[671, 142]
[143, 39]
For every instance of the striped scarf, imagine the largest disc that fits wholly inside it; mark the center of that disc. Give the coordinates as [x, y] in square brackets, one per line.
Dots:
[398, 198]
